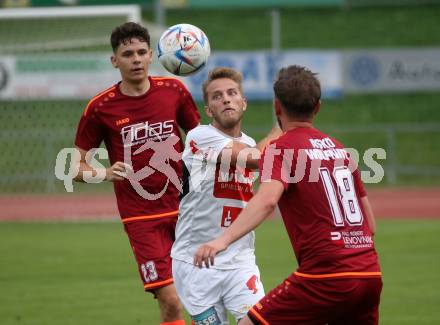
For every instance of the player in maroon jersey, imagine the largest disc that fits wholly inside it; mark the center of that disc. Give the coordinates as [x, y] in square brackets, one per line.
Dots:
[326, 213]
[138, 119]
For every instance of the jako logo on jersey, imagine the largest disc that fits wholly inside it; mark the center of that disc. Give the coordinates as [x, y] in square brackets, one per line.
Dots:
[142, 132]
[252, 284]
[122, 121]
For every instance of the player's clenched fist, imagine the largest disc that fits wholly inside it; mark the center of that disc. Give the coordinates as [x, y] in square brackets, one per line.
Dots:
[118, 171]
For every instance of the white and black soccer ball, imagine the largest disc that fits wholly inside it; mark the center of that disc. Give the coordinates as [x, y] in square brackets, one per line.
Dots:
[183, 49]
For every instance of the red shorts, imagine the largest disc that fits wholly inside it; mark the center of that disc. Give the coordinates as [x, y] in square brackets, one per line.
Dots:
[151, 242]
[318, 302]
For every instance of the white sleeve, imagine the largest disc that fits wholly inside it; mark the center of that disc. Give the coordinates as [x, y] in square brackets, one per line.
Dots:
[207, 142]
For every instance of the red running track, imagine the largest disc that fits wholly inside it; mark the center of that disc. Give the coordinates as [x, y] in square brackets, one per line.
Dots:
[387, 203]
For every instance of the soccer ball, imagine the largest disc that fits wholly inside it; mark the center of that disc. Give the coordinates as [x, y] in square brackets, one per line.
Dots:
[183, 49]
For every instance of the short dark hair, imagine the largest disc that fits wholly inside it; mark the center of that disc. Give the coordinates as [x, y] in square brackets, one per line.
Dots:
[125, 32]
[219, 73]
[298, 90]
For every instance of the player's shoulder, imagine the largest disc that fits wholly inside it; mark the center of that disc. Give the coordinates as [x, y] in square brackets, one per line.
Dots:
[207, 135]
[283, 141]
[247, 140]
[199, 131]
[106, 94]
[297, 137]
[166, 81]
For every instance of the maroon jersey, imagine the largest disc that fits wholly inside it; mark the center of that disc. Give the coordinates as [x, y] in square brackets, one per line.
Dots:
[139, 127]
[321, 205]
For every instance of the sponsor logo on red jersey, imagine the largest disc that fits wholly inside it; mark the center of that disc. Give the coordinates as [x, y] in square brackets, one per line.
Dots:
[142, 132]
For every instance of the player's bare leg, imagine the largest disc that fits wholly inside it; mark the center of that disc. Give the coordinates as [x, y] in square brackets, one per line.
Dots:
[169, 304]
[245, 321]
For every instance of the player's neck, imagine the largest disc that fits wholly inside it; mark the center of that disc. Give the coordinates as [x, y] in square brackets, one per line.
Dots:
[290, 125]
[234, 132]
[134, 89]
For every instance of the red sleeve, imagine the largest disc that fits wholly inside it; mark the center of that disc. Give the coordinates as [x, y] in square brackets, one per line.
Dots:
[188, 116]
[90, 132]
[271, 165]
[358, 183]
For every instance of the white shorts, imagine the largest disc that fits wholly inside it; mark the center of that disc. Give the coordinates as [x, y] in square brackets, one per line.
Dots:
[207, 294]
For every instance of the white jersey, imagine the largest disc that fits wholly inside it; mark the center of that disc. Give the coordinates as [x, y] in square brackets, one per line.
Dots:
[212, 198]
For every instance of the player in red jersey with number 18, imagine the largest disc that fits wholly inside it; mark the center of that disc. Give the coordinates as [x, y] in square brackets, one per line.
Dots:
[326, 213]
[138, 119]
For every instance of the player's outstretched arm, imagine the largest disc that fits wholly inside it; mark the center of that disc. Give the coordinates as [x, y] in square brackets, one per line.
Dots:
[257, 210]
[239, 154]
[369, 212]
[114, 173]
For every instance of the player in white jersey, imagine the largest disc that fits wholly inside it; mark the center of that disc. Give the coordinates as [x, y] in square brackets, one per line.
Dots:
[215, 190]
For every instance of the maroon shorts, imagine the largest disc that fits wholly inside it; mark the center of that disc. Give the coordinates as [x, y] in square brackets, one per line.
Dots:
[318, 302]
[151, 242]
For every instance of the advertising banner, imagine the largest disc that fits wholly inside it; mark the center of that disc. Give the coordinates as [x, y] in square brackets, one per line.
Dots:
[259, 70]
[391, 70]
[83, 76]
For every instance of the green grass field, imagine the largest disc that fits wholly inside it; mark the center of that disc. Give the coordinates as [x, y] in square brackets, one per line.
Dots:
[84, 273]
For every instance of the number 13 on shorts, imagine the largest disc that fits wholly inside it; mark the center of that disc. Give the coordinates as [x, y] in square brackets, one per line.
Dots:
[149, 272]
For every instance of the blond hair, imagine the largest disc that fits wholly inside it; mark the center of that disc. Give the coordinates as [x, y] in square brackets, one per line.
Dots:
[219, 73]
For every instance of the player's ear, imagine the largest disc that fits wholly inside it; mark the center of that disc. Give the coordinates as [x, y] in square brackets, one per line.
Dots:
[317, 108]
[208, 111]
[150, 56]
[244, 103]
[114, 61]
[277, 106]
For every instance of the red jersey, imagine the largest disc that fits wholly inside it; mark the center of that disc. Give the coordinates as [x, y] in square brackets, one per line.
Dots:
[131, 126]
[321, 205]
